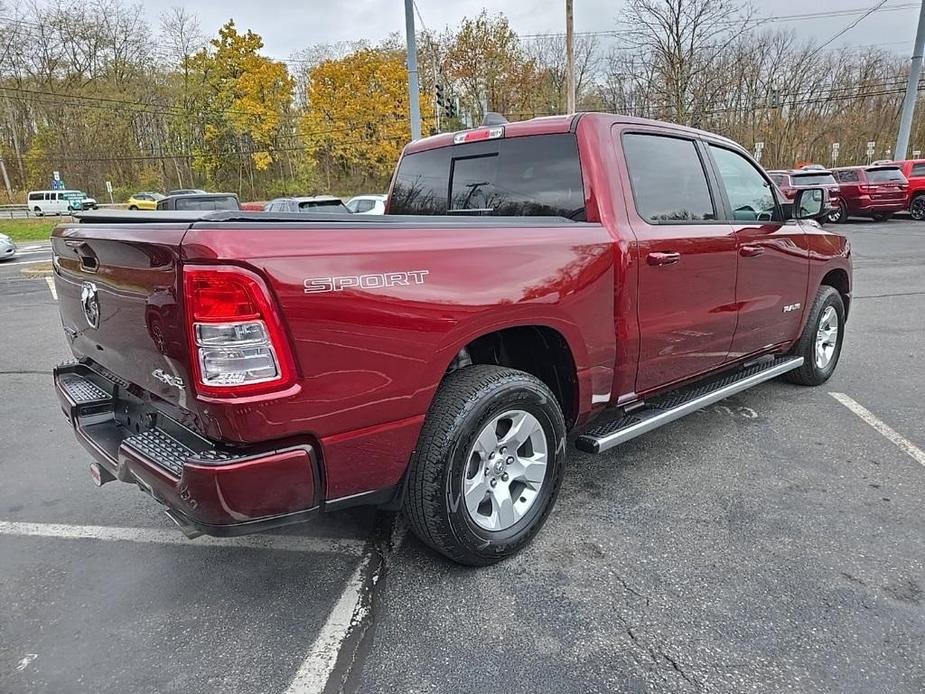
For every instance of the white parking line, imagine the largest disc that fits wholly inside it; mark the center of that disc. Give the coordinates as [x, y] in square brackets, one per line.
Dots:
[25, 262]
[897, 439]
[351, 609]
[51, 287]
[287, 543]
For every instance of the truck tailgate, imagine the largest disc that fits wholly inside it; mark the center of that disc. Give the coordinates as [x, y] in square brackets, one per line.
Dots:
[119, 301]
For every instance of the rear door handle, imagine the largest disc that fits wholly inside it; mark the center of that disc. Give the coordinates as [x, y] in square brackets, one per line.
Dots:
[750, 251]
[659, 258]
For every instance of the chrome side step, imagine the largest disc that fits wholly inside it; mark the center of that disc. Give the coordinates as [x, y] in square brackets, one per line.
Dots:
[675, 405]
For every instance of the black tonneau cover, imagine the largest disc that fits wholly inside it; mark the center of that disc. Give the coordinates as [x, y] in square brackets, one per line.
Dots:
[208, 219]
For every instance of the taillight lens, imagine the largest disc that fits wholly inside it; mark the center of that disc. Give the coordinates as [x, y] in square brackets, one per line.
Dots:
[237, 339]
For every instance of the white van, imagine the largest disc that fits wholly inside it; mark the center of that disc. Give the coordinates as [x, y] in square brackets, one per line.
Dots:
[58, 201]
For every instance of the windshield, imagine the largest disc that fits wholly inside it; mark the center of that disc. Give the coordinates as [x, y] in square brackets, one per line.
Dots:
[539, 175]
[890, 175]
[814, 179]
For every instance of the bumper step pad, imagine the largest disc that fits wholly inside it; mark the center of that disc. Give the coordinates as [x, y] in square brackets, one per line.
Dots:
[82, 391]
[677, 404]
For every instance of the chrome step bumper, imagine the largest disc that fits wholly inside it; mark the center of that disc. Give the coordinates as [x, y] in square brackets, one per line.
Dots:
[675, 405]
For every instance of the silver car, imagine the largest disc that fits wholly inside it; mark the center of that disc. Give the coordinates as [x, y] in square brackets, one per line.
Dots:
[7, 247]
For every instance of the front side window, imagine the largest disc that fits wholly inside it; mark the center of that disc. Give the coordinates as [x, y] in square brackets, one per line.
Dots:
[917, 170]
[748, 191]
[364, 205]
[847, 176]
[668, 179]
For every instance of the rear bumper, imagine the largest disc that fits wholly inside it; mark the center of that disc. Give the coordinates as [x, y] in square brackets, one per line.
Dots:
[865, 205]
[214, 490]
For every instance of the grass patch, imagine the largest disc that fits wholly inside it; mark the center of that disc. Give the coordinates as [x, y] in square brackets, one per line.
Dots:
[28, 229]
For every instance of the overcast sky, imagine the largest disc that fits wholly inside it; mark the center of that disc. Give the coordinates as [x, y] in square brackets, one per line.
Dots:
[287, 26]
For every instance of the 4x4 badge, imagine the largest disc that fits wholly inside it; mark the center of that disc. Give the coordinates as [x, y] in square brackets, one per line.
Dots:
[90, 301]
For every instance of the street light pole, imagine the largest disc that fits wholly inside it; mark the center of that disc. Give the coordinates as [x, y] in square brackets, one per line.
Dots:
[414, 94]
[570, 58]
[912, 88]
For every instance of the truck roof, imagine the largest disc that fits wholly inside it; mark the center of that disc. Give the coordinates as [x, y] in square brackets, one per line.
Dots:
[552, 125]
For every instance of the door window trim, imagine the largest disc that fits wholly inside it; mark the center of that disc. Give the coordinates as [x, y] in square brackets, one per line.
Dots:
[707, 172]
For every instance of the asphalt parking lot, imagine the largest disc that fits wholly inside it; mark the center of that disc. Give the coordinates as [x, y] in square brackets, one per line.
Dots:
[772, 543]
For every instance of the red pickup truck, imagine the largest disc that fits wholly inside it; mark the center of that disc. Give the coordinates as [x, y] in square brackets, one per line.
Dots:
[248, 370]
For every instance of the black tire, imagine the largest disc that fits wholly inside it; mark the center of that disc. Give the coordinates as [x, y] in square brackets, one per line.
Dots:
[811, 374]
[133, 207]
[38, 211]
[917, 208]
[839, 215]
[883, 216]
[464, 404]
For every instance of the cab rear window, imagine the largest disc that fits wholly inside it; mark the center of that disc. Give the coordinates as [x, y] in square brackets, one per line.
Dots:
[534, 176]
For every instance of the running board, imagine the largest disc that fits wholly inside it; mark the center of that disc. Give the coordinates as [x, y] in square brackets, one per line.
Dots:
[675, 405]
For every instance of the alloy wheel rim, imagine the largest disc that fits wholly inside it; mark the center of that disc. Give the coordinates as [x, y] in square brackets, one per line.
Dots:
[505, 470]
[918, 209]
[826, 337]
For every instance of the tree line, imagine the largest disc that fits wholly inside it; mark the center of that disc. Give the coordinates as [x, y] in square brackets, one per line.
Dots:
[90, 89]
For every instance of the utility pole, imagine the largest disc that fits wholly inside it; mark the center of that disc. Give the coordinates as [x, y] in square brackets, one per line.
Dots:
[414, 94]
[912, 88]
[570, 57]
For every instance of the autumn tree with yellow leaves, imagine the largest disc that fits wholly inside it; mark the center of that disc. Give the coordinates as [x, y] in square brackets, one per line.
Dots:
[243, 100]
[356, 119]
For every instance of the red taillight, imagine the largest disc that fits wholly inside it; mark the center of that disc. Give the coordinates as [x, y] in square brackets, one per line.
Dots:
[237, 341]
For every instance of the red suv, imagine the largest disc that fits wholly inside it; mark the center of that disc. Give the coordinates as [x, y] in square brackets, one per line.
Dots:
[789, 182]
[914, 171]
[876, 191]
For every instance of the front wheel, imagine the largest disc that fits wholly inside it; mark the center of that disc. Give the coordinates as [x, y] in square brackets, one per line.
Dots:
[133, 207]
[488, 465]
[839, 215]
[821, 341]
[38, 211]
[917, 208]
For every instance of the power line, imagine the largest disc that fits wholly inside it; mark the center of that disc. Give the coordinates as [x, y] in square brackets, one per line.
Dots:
[849, 27]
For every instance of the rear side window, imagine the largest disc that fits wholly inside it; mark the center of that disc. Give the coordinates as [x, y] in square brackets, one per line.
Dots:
[536, 176]
[779, 179]
[668, 179]
[323, 206]
[917, 170]
[892, 175]
[814, 179]
[847, 176]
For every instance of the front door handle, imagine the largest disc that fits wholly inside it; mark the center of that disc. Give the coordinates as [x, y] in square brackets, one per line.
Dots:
[750, 251]
[659, 258]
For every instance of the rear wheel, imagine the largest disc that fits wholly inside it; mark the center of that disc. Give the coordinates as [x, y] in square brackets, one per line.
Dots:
[488, 465]
[821, 341]
[839, 215]
[883, 216]
[917, 208]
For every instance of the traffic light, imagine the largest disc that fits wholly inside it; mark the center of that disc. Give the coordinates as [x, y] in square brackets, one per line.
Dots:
[441, 97]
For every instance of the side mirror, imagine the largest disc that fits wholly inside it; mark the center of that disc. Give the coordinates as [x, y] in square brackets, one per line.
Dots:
[811, 203]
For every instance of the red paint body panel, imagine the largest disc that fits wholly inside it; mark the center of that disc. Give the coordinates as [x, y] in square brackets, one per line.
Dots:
[914, 171]
[369, 361]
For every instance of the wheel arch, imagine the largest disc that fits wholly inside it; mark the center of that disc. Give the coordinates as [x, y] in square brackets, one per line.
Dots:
[537, 349]
[838, 279]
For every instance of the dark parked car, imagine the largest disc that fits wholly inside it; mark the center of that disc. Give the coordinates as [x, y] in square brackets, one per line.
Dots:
[315, 203]
[200, 201]
[876, 191]
[790, 181]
